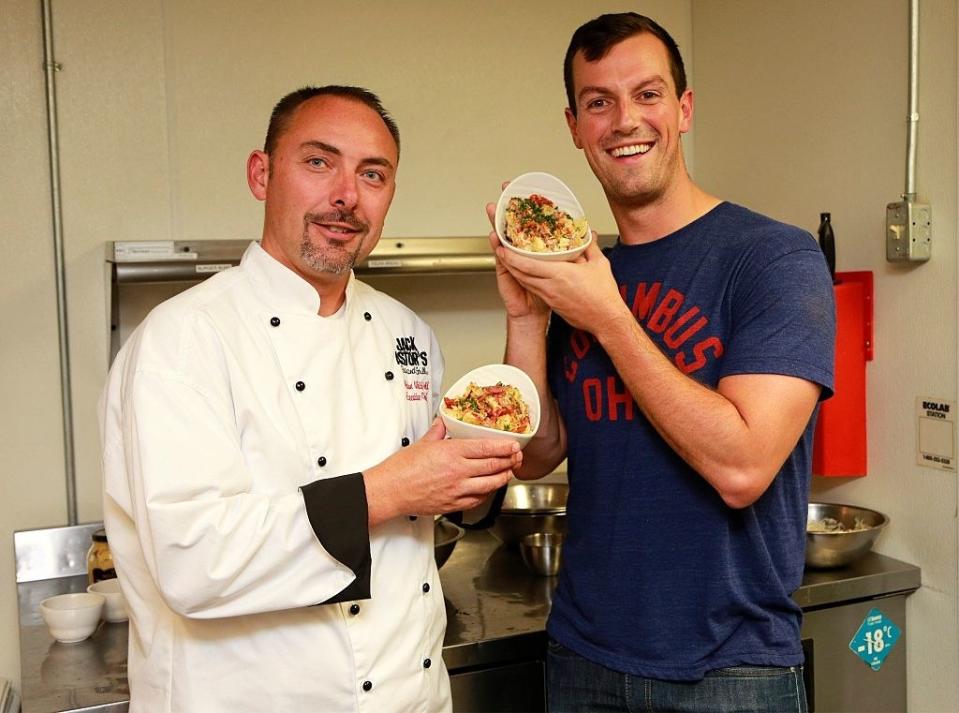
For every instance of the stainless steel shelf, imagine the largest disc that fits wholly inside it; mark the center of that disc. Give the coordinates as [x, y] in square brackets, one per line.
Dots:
[156, 261]
[192, 261]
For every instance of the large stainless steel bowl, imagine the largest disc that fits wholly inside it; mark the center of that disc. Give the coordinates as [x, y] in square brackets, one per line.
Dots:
[529, 508]
[445, 537]
[836, 549]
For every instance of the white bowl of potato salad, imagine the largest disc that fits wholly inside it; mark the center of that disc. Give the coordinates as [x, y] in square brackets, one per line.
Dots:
[538, 216]
[492, 401]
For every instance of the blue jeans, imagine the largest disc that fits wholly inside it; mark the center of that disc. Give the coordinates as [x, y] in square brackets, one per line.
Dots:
[576, 685]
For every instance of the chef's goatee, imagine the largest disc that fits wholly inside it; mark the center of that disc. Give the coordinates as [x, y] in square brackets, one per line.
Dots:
[328, 257]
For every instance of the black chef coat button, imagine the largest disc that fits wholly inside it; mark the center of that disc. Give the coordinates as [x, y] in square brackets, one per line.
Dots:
[354, 609]
[426, 587]
[321, 461]
[275, 321]
[389, 376]
[405, 441]
[427, 663]
[300, 386]
[367, 316]
[412, 518]
[367, 685]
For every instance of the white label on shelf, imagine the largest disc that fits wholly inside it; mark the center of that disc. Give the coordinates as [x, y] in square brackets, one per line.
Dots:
[372, 263]
[217, 267]
[936, 433]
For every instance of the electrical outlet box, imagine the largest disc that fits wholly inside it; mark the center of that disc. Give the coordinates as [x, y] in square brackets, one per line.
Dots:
[908, 232]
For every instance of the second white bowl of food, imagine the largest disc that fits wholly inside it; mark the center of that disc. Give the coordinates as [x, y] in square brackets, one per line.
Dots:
[538, 216]
[490, 399]
[115, 609]
[72, 617]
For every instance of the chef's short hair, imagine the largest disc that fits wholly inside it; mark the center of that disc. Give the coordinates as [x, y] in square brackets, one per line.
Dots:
[598, 36]
[284, 109]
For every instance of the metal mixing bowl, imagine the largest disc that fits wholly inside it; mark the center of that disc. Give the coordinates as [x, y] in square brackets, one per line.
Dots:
[836, 549]
[445, 537]
[530, 508]
[543, 552]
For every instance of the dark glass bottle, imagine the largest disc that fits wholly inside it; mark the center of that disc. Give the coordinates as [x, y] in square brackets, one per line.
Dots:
[827, 242]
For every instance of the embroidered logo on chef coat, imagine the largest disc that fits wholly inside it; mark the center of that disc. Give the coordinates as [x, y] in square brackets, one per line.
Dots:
[414, 363]
[408, 354]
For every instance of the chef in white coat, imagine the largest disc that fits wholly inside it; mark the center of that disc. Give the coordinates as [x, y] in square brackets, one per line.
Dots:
[271, 458]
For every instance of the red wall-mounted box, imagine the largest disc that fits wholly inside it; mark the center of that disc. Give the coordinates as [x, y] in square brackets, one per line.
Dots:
[839, 443]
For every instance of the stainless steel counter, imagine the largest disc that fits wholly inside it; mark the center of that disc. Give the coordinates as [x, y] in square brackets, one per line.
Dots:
[89, 675]
[872, 576]
[496, 610]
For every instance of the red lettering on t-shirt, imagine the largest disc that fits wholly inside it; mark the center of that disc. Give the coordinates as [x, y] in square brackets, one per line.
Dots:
[644, 299]
[670, 338]
[699, 352]
[580, 342]
[616, 397]
[606, 396]
[665, 311]
[593, 398]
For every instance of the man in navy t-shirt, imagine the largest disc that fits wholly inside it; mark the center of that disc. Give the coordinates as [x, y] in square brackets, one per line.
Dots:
[681, 371]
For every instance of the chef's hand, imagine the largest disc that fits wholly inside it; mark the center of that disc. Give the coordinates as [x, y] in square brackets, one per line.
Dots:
[519, 302]
[435, 475]
[583, 291]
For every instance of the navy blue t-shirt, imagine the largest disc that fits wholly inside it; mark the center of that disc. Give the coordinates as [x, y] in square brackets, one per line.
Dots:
[660, 577]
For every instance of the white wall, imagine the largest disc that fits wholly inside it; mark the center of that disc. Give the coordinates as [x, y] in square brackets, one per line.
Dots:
[801, 108]
[160, 103]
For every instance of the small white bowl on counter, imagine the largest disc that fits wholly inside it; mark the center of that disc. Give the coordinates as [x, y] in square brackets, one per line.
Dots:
[115, 608]
[487, 376]
[72, 617]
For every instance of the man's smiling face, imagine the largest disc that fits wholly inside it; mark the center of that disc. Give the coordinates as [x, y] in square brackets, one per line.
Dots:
[629, 120]
[328, 185]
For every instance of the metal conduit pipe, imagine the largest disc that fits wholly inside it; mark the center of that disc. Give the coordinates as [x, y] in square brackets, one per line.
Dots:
[913, 118]
[50, 68]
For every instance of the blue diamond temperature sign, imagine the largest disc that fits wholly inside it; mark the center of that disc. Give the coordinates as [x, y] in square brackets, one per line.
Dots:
[875, 639]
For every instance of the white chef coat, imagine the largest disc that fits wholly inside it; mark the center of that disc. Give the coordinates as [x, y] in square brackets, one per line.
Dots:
[221, 406]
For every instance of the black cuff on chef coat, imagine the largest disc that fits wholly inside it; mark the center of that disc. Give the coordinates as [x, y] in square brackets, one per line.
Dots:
[339, 515]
